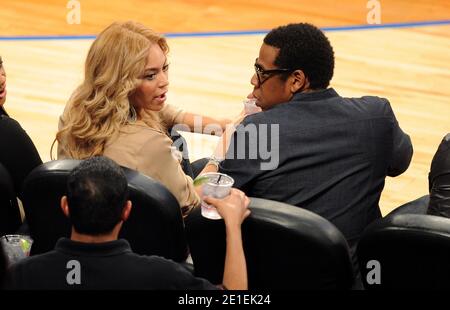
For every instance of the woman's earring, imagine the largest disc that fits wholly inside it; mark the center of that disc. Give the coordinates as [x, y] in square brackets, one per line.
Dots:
[132, 117]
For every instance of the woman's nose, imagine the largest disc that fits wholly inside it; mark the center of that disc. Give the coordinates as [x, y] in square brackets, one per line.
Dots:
[2, 77]
[164, 80]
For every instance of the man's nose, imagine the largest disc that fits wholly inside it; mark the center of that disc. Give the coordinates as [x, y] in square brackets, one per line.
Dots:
[254, 80]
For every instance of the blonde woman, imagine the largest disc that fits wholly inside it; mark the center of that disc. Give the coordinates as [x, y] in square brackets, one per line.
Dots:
[119, 110]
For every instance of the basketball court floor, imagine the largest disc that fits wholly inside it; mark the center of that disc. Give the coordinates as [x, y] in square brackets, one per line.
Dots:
[405, 58]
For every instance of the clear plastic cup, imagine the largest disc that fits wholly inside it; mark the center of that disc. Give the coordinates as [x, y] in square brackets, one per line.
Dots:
[218, 186]
[250, 106]
[16, 247]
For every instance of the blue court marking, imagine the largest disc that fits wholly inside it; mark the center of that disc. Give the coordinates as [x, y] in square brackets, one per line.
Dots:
[234, 33]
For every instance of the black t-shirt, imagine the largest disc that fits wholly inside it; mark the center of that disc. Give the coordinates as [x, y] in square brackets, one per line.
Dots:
[109, 265]
[17, 152]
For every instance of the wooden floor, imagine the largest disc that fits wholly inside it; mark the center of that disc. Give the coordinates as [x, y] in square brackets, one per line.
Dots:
[409, 66]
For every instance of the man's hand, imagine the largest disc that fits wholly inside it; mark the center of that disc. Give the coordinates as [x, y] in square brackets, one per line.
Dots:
[232, 208]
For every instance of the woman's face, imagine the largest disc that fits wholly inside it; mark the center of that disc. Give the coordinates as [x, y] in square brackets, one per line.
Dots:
[2, 83]
[151, 93]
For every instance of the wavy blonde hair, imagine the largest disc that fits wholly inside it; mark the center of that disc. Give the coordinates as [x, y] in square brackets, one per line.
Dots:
[99, 107]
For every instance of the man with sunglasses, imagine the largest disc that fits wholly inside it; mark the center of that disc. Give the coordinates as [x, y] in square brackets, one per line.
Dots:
[334, 152]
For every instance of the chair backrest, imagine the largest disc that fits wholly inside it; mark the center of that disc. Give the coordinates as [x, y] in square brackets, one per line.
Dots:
[440, 165]
[155, 225]
[406, 251]
[416, 206]
[286, 247]
[9, 210]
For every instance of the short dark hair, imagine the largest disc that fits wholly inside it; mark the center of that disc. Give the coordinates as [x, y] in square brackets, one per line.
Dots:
[304, 46]
[97, 190]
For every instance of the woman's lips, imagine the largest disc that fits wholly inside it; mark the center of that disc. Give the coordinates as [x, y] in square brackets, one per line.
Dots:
[161, 98]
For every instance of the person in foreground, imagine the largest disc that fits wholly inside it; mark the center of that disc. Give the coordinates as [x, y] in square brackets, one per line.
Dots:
[94, 258]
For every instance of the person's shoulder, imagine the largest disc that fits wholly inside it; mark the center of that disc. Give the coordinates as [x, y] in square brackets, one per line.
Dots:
[136, 127]
[33, 263]
[374, 100]
[9, 122]
[155, 265]
[162, 265]
[258, 118]
[172, 275]
[154, 260]
[11, 129]
[28, 273]
[376, 106]
[154, 141]
[140, 133]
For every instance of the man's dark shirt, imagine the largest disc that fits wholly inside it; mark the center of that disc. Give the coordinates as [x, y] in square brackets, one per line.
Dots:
[333, 156]
[109, 265]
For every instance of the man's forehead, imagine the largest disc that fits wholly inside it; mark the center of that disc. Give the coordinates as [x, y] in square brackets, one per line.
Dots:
[267, 55]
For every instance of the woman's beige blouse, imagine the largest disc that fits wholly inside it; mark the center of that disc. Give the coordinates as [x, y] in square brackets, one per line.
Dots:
[149, 151]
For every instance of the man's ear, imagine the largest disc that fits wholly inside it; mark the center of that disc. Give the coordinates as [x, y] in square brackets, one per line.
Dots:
[299, 81]
[126, 210]
[65, 206]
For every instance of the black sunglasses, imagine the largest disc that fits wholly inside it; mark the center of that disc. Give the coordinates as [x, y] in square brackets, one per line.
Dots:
[264, 75]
